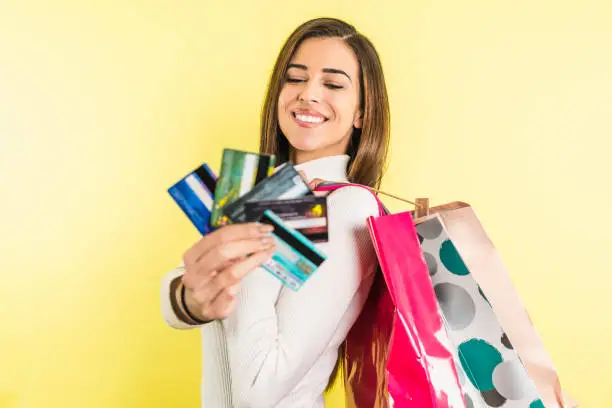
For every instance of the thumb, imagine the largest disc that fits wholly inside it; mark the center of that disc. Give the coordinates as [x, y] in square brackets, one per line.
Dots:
[314, 183]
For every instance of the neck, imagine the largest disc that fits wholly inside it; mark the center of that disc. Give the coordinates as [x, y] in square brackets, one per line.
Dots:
[301, 156]
[328, 168]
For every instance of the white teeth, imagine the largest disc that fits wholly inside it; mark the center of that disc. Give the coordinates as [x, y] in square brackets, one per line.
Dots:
[309, 119]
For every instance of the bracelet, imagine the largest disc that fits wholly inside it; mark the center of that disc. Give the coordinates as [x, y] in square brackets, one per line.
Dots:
[186, 309]
[177, 303]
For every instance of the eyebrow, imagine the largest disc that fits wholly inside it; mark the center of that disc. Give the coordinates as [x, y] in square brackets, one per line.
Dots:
[327, 70]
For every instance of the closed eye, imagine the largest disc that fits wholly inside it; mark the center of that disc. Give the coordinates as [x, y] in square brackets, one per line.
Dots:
[333, 86]
[295, 80]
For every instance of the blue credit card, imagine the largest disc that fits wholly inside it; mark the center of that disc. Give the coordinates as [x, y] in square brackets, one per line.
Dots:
[194, 194]
[296, 257]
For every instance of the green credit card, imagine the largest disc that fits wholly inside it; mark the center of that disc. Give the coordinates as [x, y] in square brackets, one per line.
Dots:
[240, 172]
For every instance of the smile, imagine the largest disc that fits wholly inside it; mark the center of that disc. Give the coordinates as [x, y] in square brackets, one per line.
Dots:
[306, 120]
[310, 119]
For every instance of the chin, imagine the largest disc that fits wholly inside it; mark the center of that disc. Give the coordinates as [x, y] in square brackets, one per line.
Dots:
[304, 145]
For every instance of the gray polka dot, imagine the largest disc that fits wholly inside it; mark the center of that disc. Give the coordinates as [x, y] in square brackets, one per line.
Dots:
[456, 304]
[432, 264]
[430, 229]
[468, 401]
[493, 398]
[510, 379]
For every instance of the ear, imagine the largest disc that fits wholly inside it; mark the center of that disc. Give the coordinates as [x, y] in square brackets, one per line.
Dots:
[358, 121]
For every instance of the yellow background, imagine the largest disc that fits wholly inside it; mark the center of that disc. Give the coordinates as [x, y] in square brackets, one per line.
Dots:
[105, 104]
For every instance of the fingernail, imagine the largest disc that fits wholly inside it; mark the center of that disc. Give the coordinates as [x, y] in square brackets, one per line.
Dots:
[233, 290]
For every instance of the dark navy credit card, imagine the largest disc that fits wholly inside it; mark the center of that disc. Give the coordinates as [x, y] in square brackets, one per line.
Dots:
[194, 194]
[307, 215]
[285, 183]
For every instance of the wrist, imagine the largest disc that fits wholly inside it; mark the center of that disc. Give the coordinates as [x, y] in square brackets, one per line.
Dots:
[179, 305]
[190, 306]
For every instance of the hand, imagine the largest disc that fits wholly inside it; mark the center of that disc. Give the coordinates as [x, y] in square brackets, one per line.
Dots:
[312, 184]
[216, 264]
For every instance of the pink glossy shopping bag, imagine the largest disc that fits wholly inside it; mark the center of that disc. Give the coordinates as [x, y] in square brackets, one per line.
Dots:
[398, 354]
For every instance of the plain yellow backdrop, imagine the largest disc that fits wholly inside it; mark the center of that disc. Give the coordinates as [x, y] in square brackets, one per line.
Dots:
[105, 104]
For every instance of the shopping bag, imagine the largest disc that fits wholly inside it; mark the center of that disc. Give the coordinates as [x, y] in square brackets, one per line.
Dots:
[397, 353]
[498, 347]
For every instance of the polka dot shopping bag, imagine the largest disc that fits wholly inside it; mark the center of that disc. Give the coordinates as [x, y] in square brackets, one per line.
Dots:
[500, 357]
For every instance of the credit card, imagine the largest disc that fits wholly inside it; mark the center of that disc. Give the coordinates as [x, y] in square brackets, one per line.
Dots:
[285, 183]
[307, 215]
[240, 171]
[295, 258]
[194, 195]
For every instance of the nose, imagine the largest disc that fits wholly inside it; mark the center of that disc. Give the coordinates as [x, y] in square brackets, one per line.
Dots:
[311, 92]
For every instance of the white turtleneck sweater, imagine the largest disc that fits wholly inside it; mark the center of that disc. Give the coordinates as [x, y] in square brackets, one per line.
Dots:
[278, 347]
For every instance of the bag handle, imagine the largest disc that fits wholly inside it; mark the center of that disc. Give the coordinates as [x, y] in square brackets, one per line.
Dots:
[421, 211]
[333, 186]
[421, 204]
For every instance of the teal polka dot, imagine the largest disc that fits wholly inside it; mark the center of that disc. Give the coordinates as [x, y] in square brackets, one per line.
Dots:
[451, 259]
[537, 404]
[479, 359]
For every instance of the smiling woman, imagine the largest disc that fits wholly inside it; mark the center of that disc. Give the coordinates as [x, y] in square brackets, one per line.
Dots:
[327, 111]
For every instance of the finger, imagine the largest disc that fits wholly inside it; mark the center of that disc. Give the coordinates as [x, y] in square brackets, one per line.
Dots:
[222, 235]
[196, 278]
[220, 256]
[204, 298]
[220, 283]
[207, 288]
[229, 279]
[239, 270]
[198, 275]
[314, 183]
[217, 298]
[223, 305]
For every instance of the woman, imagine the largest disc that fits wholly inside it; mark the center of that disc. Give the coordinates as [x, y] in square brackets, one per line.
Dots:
[326, 110]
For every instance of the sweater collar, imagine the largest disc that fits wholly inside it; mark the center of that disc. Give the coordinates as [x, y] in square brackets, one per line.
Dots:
[330, 168]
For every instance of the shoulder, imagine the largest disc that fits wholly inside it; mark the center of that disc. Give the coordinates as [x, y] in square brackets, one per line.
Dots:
[352, 203]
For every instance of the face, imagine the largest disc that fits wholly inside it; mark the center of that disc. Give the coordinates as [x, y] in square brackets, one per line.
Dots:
[318, 106]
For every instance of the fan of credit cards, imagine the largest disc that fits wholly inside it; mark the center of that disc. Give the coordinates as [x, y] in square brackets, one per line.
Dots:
[250, 188]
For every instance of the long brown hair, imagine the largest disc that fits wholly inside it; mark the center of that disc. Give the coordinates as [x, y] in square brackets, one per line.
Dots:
[368, 146]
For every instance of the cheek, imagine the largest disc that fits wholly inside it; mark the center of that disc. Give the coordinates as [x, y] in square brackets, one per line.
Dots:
[285, 97]
[345, 106]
